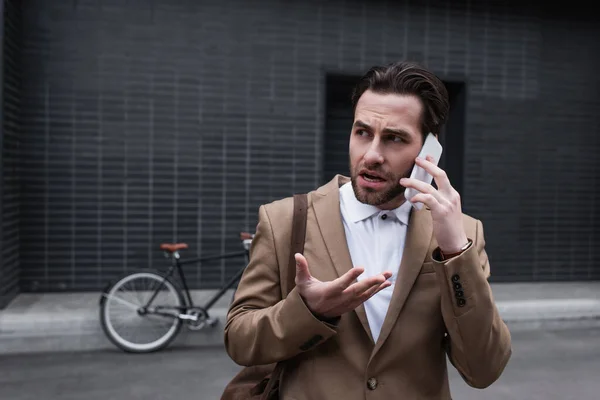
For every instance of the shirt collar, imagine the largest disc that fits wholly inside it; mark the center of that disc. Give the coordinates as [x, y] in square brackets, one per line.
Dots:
[358, 211]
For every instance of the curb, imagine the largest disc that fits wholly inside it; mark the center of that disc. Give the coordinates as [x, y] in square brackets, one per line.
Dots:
[548, 309]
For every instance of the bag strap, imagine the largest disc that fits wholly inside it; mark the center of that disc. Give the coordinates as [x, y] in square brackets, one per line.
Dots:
[297, 239]
[296, 246]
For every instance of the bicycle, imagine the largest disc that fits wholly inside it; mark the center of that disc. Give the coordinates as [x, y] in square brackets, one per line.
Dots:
[170, 313]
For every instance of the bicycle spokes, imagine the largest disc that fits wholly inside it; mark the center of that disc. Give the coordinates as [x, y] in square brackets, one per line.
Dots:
[131, 322]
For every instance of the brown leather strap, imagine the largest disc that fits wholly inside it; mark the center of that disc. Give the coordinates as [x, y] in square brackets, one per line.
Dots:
[296, 246]
[297, 240]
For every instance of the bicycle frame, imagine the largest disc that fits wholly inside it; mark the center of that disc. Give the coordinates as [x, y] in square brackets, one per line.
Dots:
[176, 265]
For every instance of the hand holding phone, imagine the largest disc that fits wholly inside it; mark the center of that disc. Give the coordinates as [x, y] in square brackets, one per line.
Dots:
[431, 147]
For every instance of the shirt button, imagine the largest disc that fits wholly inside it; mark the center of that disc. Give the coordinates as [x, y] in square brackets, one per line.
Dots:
[384, 216]
[372, 383]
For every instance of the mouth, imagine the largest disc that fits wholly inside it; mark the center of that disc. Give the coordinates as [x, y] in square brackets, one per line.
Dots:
[370, 176]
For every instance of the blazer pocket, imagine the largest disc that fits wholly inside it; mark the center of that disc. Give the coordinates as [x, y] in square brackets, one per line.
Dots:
[427, 268]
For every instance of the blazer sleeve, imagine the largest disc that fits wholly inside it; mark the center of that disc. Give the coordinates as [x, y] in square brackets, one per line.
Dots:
[262, 327]
[477, 340]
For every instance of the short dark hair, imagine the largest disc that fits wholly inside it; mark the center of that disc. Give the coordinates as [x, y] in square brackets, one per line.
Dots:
[412, 79]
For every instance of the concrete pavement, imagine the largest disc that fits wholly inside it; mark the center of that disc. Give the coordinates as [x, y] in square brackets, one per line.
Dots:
[546, 365]
[70, 321]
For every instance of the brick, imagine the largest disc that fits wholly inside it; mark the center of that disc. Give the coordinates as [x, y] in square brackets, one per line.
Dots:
[228, 100]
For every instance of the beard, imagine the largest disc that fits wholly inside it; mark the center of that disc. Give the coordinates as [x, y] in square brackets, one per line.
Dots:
[379, 197]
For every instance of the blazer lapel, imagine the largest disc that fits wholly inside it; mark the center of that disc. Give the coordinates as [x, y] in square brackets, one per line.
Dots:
[415, 250]
[329, 219]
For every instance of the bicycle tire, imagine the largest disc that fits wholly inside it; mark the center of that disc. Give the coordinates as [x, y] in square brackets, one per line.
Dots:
[108, 325]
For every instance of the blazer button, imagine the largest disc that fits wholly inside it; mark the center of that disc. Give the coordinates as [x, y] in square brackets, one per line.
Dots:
[455, 278]
[372, 383]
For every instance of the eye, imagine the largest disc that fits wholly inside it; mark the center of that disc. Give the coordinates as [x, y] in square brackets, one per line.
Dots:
[362, 132]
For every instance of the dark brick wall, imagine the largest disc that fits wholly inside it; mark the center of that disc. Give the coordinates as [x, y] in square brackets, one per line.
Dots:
[154, 121]
[10, 138]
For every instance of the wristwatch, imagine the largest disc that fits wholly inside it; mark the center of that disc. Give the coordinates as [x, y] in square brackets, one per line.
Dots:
[448, 256]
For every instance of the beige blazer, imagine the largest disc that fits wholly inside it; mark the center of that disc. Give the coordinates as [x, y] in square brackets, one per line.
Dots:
[426, 320]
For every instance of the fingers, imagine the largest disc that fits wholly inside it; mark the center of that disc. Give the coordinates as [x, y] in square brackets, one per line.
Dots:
[367, 294]
[439, 175]
[428, 199]
[302, 271]
[359, 288]
[335, 301]
[422, 187]
[445, 198]
[346, 280]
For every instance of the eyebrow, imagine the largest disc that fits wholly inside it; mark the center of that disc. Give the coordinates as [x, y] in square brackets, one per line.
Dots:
[394, 131]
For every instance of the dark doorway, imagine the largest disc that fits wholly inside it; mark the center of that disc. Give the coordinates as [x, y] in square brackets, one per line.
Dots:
[452, 136]
[338, 123]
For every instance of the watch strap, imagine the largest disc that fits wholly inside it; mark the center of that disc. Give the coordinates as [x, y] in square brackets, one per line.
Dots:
[447, 256]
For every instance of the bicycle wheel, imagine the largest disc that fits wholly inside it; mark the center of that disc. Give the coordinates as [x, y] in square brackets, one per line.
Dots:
[128, 324]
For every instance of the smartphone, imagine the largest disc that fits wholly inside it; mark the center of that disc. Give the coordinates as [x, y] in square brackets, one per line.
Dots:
[431, 147]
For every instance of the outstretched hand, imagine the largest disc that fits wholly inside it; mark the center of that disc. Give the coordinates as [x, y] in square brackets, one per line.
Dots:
[334, 298]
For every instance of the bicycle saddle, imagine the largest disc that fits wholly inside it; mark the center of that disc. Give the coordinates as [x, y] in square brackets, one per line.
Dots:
[172, 247]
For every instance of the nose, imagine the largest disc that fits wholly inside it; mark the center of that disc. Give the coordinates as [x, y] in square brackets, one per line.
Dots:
[373, 154]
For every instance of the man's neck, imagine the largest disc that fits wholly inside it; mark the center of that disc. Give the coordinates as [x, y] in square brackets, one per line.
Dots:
[393, 204]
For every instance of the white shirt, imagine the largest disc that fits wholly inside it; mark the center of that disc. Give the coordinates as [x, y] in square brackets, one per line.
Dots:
[376, 243]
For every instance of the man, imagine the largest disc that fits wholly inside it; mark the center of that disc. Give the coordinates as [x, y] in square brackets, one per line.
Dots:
[383, 291]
